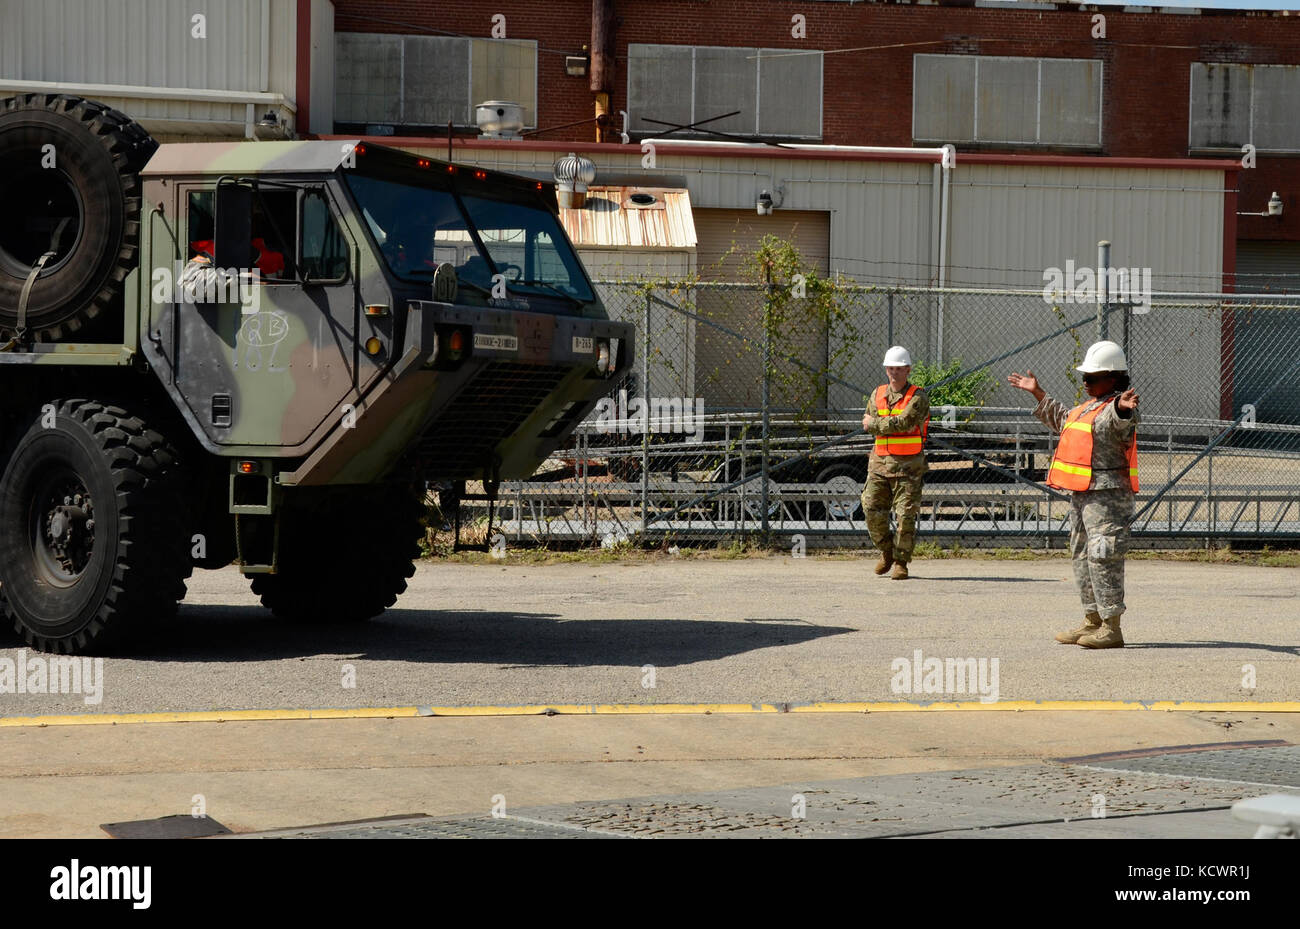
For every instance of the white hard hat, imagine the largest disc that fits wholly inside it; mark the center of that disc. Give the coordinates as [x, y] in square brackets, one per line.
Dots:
[1103, 356]
[897, 357]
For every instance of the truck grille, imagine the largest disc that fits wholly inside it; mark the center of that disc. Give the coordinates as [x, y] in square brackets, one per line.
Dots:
[490, 407]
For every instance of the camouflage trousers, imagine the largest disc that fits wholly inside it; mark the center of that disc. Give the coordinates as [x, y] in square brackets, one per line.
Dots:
[1098, 540]
[902, 495]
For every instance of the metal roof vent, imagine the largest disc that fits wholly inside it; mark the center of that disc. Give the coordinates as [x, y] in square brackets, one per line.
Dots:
[573, 174]
[499, 119]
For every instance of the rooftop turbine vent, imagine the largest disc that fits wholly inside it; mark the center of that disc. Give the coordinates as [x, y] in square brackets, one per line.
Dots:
[573, 174]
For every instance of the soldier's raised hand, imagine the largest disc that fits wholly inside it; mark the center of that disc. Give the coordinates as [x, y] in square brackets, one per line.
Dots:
[1026, 381]
[1128, 400]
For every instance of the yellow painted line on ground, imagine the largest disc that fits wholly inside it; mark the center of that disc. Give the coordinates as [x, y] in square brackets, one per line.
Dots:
[650, 709]
[205, 716]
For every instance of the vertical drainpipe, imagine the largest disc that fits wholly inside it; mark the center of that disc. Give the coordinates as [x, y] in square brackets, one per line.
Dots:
[949, 162]
[602, 62]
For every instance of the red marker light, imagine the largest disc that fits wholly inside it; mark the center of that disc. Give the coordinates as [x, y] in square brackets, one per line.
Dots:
[451, 169]
[248, 467]
[539, 185]
[481, 175]
[423, 162]
[360, 149]
[457, 341]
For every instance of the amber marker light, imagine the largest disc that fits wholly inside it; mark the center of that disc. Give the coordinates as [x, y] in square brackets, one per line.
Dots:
[374, 346]
[249, 467]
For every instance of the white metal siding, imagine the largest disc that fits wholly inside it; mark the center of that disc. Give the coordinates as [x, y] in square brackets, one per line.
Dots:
[249, 46]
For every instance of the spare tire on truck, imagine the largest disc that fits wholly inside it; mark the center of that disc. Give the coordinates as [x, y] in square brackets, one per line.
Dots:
[70, 163]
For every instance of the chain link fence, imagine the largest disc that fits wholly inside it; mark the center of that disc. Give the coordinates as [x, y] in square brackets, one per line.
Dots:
[743, 415]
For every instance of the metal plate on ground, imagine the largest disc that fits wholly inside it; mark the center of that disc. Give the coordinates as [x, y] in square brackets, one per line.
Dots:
[464, 827]
[1134, 794]
[167, 827]
[1265, 766]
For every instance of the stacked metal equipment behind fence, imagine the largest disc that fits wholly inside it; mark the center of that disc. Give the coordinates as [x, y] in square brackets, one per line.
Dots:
[783, 378]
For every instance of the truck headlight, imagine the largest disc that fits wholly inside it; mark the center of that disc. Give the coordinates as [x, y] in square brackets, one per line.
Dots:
[604, 357]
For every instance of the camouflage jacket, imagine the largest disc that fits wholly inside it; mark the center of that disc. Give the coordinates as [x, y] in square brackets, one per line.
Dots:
[1111, 433]
[911, 418]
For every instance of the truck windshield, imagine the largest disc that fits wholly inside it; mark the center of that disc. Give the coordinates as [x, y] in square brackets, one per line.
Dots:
[418, 228]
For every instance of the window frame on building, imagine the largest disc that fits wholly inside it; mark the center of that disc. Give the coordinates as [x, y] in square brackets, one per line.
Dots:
[461, 119]
[757, 131]
[1193, 146]
[1038, 142]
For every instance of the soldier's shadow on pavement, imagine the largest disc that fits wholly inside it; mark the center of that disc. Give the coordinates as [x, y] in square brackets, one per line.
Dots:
[1000, 580]
[1293, 650]
[496, 637]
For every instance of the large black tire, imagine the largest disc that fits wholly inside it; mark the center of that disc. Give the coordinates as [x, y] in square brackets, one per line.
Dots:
[93, 540]
[345, 556]
[96, 155]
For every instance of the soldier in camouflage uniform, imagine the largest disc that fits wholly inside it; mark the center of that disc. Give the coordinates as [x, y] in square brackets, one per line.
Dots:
[1101, 435]
[897, 465]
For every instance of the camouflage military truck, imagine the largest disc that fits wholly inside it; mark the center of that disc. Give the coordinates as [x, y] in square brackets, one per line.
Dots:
[262, 352]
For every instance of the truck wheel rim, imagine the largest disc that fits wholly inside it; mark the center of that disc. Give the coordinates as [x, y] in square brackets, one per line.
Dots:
[63, 529]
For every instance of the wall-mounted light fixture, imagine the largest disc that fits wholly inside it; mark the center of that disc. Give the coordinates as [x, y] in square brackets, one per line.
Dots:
[1274, 207]
[575, 65]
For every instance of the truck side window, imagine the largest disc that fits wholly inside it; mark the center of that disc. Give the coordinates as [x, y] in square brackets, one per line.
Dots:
[324, 250]
[273, 227]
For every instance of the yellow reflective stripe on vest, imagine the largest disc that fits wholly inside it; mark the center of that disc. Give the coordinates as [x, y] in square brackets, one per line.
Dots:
[889, 440]
[1071, 469]
[1082, 427]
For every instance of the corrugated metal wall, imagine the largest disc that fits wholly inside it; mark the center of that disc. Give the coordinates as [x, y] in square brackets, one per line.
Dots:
[238, 46]
[1011, 222]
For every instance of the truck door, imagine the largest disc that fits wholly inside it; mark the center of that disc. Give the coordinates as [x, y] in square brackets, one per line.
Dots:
[274, 355]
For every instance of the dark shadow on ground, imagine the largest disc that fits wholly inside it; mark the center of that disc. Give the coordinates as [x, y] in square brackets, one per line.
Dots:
[490, 637]
[1002, 580]
[1293, 650]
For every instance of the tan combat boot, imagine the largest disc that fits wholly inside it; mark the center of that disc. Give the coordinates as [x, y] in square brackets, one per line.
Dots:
[900, 571]
[1108, 636]
[1091, 624]
[886, 561]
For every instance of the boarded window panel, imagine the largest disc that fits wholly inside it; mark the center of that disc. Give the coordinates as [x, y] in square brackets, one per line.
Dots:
[1070, 111]
[368, 89]
[1007, 100]
[726, 81]
[944, 105]
[658, 86]
[789, 94]
[435, 78]
[1220, 110]
[505, 69]
[1277, 112]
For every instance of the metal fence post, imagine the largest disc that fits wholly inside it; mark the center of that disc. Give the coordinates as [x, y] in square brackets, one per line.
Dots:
[889, 304]
[645, 396]
[767, 393]
[1103, 290]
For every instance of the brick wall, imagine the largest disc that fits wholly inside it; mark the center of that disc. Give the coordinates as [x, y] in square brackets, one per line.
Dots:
[867, 94]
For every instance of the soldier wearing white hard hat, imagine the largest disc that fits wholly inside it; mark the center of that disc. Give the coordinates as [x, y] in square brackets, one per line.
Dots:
[1096, 459]
[898, 415]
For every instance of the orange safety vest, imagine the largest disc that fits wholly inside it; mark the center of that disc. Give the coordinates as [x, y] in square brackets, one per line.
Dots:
[1072, 464]
[901, 443]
